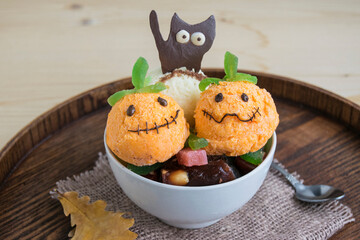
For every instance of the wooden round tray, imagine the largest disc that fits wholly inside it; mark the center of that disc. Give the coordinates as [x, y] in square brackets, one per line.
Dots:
[318, 136]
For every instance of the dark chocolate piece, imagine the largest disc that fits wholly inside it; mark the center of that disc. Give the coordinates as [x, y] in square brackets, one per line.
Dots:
[243, 166]
[192, 43]
[231, 162]
[154, 175]
[215, 172]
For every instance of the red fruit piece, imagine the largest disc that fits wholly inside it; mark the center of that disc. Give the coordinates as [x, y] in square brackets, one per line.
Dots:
[188, 157]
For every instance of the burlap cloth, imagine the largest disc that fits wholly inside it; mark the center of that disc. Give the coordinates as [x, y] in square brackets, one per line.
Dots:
[273, 213]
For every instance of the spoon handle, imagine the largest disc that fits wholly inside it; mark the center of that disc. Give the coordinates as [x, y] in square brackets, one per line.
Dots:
[288, 176]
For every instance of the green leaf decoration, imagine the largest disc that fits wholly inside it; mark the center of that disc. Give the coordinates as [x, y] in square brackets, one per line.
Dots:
[231, 74]
[144, 170]
[139, 73]
[254, 157]
[118, 95]
[140, 82]
[244, 77]
[268, 145]
[141, 170]
[195, 143]
[147, 81]
[207, 81]
[158, 87]
[230, 64]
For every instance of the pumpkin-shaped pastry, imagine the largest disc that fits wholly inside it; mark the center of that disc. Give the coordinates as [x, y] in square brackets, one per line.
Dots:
[144, 126]
[234, 114]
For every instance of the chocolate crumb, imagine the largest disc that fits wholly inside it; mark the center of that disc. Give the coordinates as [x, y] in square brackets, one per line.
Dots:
[179, 72]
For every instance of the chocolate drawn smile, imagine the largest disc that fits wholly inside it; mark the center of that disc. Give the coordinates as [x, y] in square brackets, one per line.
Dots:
[138, 130]
[251, 117]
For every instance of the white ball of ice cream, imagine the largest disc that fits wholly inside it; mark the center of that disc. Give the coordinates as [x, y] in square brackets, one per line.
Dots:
[183, 87]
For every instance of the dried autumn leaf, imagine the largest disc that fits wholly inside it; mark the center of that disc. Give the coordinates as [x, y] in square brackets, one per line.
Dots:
[93, 221]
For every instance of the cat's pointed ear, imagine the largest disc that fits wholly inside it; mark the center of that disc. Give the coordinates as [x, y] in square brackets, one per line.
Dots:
[176, 21]
[154, 25]
[210, 21]
[210, 24]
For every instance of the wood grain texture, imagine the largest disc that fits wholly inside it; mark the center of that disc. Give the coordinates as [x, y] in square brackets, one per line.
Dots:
[53, 50]
[314, 139]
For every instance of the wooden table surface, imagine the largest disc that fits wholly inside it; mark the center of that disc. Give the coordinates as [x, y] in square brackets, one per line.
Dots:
[52, 50]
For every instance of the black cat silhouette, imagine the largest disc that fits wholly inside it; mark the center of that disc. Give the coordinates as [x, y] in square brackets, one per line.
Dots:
[186, 44]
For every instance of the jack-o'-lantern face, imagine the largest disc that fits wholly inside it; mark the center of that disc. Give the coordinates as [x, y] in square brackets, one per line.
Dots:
[145, 128]
[157, 118]
[235, 117]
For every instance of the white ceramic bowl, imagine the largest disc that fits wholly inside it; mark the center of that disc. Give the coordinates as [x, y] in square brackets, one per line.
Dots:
[185, 206]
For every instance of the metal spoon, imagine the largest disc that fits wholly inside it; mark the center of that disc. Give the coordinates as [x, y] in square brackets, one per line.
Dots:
[312, 193]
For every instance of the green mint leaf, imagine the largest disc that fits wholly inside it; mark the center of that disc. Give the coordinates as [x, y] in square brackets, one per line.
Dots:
[268, 145]
[230, 65]
[195, 143]
[244, 77]
[207, 81]
[139, 72]
[139, 81]
[254, 157]
[158, 87]
[118, 95]
[147, 81]
[143, 170]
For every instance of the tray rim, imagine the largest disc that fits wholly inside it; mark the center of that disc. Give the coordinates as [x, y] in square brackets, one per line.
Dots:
[8, 152]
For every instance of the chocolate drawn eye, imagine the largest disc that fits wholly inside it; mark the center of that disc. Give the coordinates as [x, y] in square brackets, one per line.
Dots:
[198, 38]
[130, 111]
[219, 97]
[182, 36]
[244, 97]
[162, 101]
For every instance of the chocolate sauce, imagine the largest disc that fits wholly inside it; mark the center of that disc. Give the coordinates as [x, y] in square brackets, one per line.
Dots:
[234, 115]
[179, 73]
[147, 129]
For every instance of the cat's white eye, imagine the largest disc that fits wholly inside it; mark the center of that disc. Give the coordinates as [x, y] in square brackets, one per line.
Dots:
[182, 36]
[198, 38]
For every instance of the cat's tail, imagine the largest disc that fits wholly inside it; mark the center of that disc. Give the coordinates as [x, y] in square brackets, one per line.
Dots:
[154, 25]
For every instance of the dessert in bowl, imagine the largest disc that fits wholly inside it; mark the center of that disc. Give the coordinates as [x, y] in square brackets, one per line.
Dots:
[179, 201]
[188, 148]
[186, 206]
